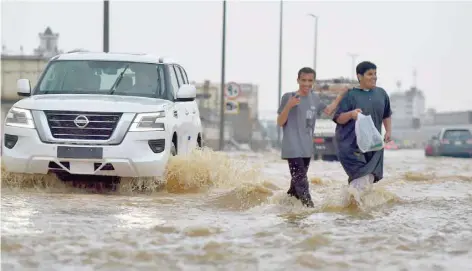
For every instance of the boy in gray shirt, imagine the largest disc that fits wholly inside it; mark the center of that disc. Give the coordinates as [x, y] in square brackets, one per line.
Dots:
[297, 115]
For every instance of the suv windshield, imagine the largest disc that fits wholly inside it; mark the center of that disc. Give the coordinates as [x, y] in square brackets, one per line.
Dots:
[103, 77]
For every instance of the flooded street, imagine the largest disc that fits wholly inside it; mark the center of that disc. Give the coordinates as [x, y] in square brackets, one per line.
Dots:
[231, 212]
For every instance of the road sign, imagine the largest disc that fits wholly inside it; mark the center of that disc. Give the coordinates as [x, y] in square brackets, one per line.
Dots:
[231, 107]
[232, 90]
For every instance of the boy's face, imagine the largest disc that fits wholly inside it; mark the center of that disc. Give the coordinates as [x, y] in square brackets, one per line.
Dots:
[306, 81]
[369, 79]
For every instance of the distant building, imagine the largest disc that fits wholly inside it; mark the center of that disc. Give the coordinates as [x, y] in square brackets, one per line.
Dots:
[454, 118]
[408, 108]
[334, 85]
[432, 125]
[17, 65]
[208, 96]
[429, 117]
[48, 44]
[241, 114]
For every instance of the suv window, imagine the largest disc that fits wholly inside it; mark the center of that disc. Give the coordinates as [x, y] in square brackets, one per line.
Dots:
[179, 75]
[183, 74]
[173, 80]
[462, 134]
[100, 77]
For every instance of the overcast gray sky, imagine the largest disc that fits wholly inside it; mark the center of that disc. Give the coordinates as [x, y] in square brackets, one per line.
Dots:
[433, 37]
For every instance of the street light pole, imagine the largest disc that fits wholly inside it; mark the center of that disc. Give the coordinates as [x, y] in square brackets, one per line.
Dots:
[353, 68]
[315, 44]
[222, 94]
[280, 65]
[106, 26]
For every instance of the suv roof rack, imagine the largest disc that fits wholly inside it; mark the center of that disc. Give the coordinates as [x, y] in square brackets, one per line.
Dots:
[78, 51]
[164, 59]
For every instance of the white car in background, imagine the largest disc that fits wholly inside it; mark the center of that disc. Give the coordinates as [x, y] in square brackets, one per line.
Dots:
[101, 113]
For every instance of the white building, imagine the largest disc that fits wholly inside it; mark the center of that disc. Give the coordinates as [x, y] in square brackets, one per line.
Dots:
[48, 44]
[408, 107]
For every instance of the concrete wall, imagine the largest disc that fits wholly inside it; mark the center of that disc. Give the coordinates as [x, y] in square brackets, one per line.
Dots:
[17, 67]
[423, 134]
[463, 117]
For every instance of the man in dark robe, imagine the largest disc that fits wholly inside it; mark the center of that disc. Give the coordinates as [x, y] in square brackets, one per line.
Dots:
[363, 169]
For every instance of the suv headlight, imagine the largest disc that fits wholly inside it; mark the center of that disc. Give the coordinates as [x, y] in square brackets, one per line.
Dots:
[19, 117]
[148, 122]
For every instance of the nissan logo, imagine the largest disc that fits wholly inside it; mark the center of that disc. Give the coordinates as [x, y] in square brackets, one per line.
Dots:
[81, 121]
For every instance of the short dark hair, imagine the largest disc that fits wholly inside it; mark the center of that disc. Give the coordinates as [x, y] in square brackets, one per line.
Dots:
[306, 70]
[364, 66]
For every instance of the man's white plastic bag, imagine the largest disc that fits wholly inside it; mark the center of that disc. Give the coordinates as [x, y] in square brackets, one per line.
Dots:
[368, 137]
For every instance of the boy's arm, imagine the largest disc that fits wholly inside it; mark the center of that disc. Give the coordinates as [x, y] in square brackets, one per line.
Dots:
[283, 111]
[344, 113]
[329, 110]
[387, 119]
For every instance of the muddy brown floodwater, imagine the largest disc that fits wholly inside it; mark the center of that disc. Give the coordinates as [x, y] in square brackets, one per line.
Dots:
[230, 212]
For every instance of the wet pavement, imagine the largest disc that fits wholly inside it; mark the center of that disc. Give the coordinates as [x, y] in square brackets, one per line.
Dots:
[230, 212]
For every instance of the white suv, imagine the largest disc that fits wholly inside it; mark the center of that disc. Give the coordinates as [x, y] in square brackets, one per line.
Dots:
[102, 114]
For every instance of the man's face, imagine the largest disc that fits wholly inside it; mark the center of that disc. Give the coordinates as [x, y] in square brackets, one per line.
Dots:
[369, 79]
[306, 81]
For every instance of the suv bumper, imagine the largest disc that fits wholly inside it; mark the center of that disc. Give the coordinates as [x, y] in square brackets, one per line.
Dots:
[133, 157]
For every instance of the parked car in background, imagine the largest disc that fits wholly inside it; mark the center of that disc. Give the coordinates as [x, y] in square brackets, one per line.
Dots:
[324, 145]
[450, 142]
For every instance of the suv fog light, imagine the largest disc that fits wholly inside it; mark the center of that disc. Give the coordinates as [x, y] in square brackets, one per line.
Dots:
[10, 141]
[157, 145]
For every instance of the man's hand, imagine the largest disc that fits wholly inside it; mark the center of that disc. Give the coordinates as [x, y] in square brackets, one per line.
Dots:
[355, 112]
[329, 109]
[388, 136]
[283, 116]
[293, 101]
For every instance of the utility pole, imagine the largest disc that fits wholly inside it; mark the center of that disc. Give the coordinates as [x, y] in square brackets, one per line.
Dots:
[315, 44]
[280, 65]
[415, 73]
[222, 94]
[353, 68]
[106, 26]
[203, 103]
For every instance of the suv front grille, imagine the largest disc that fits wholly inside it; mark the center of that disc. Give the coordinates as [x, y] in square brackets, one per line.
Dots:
[82, 125]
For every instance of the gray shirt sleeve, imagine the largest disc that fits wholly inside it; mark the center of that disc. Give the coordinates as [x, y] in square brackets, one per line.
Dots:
[283, 102]
[387, 110]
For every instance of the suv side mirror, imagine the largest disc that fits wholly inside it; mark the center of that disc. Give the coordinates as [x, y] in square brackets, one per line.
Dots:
[186, 93]
[24, 87]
